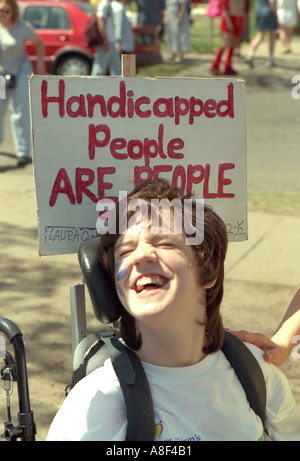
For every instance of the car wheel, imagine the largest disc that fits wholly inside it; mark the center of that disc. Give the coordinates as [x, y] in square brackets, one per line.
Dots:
[73, 64]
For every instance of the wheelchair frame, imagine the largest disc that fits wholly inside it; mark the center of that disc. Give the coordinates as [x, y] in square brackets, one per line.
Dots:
[17, 370]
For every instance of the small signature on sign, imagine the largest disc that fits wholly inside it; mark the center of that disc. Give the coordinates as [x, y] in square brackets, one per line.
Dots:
[68, 234]
[236, 227]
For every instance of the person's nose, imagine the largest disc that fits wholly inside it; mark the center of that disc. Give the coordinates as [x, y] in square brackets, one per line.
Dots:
[144, 253]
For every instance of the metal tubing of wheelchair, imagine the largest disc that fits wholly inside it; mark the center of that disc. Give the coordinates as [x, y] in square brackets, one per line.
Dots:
[78, 314]
[25, 414]
[9, 328]
[14, 335]
[21, 370]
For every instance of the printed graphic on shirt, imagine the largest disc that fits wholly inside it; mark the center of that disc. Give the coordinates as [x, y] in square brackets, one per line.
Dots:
[158, 432]
[262, 437]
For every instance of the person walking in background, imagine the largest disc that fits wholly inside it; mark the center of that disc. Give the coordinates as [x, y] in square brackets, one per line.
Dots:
[245, 35]
[123, 32]
[14, 32]
[151, 13]
[266, 20]
[178, 28]
[287, 15]
[232, 20]
[107, 58]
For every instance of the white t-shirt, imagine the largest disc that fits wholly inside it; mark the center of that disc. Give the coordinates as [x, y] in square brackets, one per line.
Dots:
[12, 46]
[104, 11]
[287, 12]
[200, 402]
[122, 27]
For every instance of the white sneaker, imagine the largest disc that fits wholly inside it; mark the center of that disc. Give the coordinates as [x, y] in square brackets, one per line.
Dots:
[271, 63]
[249, 60]
[178, 59]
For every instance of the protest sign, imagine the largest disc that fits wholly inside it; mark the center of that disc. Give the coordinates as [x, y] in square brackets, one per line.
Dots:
[97, 137]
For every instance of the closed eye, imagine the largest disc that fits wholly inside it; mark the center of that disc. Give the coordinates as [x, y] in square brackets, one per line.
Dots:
[171, 241]
[166, 244]
[124, 249]
[123, 253]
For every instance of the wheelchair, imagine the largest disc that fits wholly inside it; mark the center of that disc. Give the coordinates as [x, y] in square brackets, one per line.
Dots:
[90, 352]
[107, 309]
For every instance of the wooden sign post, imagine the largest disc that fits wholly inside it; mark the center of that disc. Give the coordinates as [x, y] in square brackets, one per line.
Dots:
[128, 63]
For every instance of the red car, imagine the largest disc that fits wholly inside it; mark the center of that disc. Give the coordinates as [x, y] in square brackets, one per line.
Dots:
[61, 25]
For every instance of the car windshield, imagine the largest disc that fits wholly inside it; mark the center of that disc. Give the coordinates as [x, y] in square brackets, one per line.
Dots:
[47, 17]
[87, 8]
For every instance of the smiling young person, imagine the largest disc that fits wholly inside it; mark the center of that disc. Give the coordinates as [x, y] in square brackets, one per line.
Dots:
[160, 281]
[171, 292]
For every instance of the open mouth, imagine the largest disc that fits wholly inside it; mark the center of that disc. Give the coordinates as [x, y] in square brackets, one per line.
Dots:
[147, 282]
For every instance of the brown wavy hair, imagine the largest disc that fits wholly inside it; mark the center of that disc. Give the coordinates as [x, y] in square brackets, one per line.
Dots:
[208, 261]
[15, 10]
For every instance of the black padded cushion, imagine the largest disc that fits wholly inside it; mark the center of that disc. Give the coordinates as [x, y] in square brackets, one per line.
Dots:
[105, 301]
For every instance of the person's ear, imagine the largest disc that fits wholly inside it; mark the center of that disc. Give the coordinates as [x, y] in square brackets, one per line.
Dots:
[210, 284]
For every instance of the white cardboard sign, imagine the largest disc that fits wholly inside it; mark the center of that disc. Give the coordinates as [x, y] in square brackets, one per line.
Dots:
[96, 136]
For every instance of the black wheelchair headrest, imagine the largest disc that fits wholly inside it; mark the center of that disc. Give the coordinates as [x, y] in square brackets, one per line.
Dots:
[105, 301]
